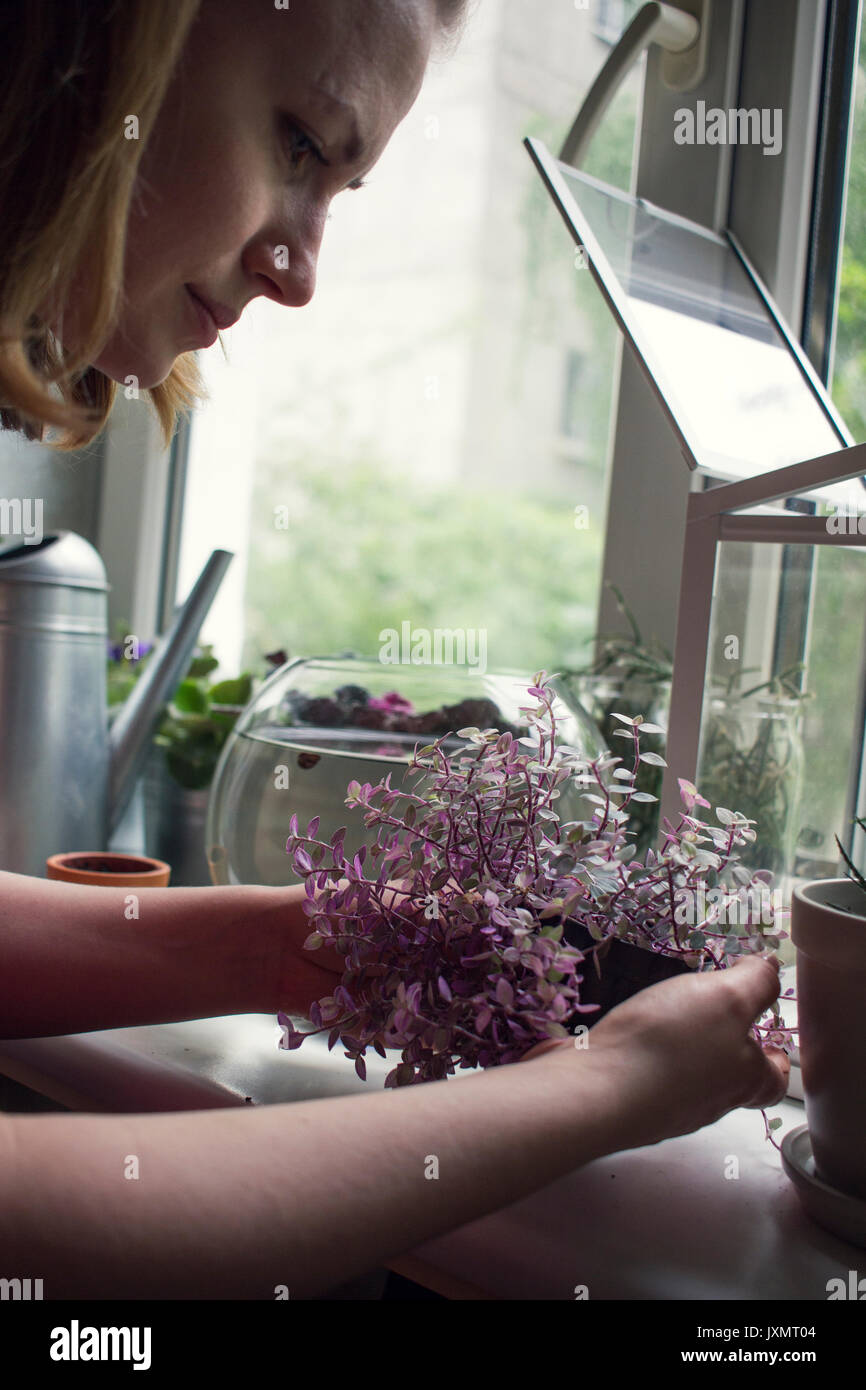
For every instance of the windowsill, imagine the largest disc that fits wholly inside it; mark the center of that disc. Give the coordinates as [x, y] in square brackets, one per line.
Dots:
[623, 1225]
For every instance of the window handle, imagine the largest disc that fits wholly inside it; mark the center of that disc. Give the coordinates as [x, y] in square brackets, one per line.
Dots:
[684, 38]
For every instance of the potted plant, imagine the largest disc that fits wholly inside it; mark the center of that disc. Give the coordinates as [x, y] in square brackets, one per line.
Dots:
[200, 715]
[629, 672]
[198, 721]
[127, 658]
[828, 929]
[186, 749]
[752, 743]
[108, 869]
[470, 963]
[751, 749]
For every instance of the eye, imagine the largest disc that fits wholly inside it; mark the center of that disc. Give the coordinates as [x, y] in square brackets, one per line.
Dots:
[299, 144]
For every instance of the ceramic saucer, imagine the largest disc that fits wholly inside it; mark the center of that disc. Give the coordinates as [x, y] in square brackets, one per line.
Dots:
[836, 1211]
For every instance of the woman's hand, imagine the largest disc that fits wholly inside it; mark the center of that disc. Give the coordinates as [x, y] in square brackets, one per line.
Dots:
[678, 1055]
[300, 976]
[305, 976]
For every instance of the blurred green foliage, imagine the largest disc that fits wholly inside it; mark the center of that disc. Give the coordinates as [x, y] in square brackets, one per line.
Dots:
[370, 550]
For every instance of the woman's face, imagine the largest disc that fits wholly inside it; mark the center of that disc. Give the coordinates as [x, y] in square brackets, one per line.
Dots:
[271, 114]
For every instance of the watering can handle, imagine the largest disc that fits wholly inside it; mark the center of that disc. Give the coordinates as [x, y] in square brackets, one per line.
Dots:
[130, 734]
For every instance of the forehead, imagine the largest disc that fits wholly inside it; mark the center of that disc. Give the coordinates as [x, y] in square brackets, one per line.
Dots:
[369, 55]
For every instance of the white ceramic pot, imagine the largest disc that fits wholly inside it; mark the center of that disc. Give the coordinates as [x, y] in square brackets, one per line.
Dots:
[828, 928]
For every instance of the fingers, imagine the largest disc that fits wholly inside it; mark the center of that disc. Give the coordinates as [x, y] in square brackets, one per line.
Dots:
[394, 891]
[773, 1086]
[782, 1062]
[756, 982]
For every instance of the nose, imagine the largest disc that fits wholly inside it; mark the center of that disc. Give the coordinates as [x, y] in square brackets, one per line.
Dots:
[289, 258]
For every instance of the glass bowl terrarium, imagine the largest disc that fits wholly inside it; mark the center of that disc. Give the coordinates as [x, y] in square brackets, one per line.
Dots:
[319, 723]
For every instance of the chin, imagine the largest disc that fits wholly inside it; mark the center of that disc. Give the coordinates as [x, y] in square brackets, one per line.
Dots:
[130, 371]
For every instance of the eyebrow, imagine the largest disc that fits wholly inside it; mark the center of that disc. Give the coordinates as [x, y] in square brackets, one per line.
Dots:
[355, 147]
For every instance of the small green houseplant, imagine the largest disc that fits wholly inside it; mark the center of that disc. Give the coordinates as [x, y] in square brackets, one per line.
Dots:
[629, 671]
[199, 717]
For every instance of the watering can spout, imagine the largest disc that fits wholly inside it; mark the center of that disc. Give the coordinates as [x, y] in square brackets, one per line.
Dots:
[131, 731]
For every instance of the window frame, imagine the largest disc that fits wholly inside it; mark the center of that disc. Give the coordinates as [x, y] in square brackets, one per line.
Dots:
[789, 219]
[771, 217]
[832, 166]
[784, 217]
[139, 518]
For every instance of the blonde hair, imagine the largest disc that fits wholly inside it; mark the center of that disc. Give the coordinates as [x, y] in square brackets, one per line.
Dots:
[66, 180]
[67, 174]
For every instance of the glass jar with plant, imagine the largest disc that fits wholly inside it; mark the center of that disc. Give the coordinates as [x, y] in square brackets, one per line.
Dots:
[752, 753]
[751, 750]
[632, 673]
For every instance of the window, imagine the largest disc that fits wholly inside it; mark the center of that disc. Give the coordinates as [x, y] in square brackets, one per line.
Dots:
[836, 638]
[369, 465]
[404, 448]
[610, 17]
[572, 416]
[849, 370]
[787, 650]
[790, 618]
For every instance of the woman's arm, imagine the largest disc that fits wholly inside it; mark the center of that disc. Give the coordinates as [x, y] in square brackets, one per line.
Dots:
[232, 1204]
[78, 958]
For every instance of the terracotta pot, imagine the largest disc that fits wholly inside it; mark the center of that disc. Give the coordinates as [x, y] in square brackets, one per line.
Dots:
[828, 928]
[625, 970]
[109, 870]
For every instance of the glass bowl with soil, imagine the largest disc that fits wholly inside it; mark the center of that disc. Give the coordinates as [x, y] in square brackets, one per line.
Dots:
[319, 723]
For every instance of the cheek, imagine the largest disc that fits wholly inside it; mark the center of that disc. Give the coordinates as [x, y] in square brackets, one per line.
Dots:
[196, 214]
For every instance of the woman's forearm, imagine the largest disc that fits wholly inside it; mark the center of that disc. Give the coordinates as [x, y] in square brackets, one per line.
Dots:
[233, 1204]
[78, 958]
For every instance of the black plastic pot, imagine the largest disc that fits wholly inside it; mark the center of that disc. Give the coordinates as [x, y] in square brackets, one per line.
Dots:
[624, 971]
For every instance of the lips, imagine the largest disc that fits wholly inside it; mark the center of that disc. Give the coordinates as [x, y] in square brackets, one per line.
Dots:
[222, 316]
[207, 329]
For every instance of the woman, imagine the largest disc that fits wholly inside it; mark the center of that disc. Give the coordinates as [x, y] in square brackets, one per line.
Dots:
[180, 162]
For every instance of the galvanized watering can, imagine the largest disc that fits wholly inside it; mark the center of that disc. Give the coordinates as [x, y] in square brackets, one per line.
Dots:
[66, 778]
